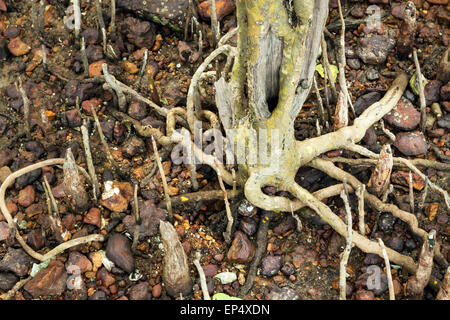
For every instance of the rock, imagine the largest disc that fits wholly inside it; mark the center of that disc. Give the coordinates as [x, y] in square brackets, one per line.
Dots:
[93, 217]
[284, 293]
[402, 178]
[173, 94]
[241, 250]
[386, 222]
[374, 48]
[137, 110]
[156, 290]
[35, 239]
[223, 8]
[395, 243]
[36, 147]
[91, 35]
[78, 261]
[372, 259]
[74, 89]
[288, 269]
[150, 219]
[106, 278]
[210, 270]
[17, 261]
[336, 245]
[4, 173]
[365, 101]
[130, 67]
[118, 250]
[7, 280]
[94, 53]
[95, 68]
[271, 265]
[171, 13]
[133, 146]
[248, 225]
[398, 288]
[445, 92]
[438, 2]
[411, 143]
[372, 74]
[410, 244]
[116, 196]
[108, 129]
[370, 138]
[431, 91]
[26, 196]
[403, 116]
[287, 224]
[6, 156]
[365, 295]
[87, 105]
[98, 295]
[444, 122]
[73, 118]
[50, 281]
[398, 11]
[140, 292]
[18, 48]
[4, 231]
[354, 63]
[140, 33]
[357, 12]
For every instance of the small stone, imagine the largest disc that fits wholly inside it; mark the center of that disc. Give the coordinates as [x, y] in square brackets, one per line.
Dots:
[156, 291]
[288, 269]
[95, 68]
[18, 48]
[4, 173]
[133, 146]
[372, 74]
[398, 288]
[35, 239]
[355, 64]
[223, 8]
[137, 110]
[374, 49]
[402, 178]
[395, 243]
[287, 224]
[36, 147]
[411, 143]
[93, 217]
[118, 250]
[370, 138]
[398, 11]
[73, 118]
[410, 244]
[50, 281]
[365, 101]
[116, 196]
[87, 105]
[271, 265]
[210, 270]
[444, 122]
[386, 222]
[248, 225]
[431, 91]
[91, 35]
[138, 32]
[26, 196]
[241, 250]
[105, 277]
[94, 52]
[365, 295]
[4, 231]
[140, 292]
[79, 262]
[403, 116]
[445, 92]
[7, 280]
[98, 295]
[150, 219]
[17, 261]
[284, 293]
[130, 67]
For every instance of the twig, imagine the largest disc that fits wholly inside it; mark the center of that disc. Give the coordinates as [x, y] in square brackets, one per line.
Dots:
[105, 144]
[411, 192]
[360, 193]
[77, 17]
[90, 163]
[227, 233]
[419, 81]
[214, 23]
[319, 100]
[421, 203]
[388, 270]
[201, 274]
[101, 22]
[84, 57]
[348, 247]
[387, 132]
[138, 219]
[26, 108]
[111, 80]
[164, 181]
[144, 66]
[113, 20]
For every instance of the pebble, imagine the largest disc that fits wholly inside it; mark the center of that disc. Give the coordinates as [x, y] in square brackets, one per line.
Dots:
[395, 243]
[410, 244]
[106, 278]
[150, 215]
[35, 239]
[402, 178]
[288, 223]
[94, 52]
[78, 261]
[444, 122]
[374, 49]
[98, 295]
[118, 250]
[157, 290]
[365, 295]
[210, 270]
[116, 196]
[386, 222]
[95, 68]
[4, 173]
[365, 101]
[445, 92]
[73, 118]
[93, 217]
[284, 293]
[431, 91]
[411, 143]
[355, 64]
[26, 196]
[130, 67]
[133, 146]
[372, 74]
[50, 281]
[91, 35]
[288, 269]
[248, 225]
[137, 110]
[271, 265]
[4, 231]
[403, 116]
[18, 48]
[241, 250]
[7, 280]
[140, 292]
[87, 105]
[138, 32]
